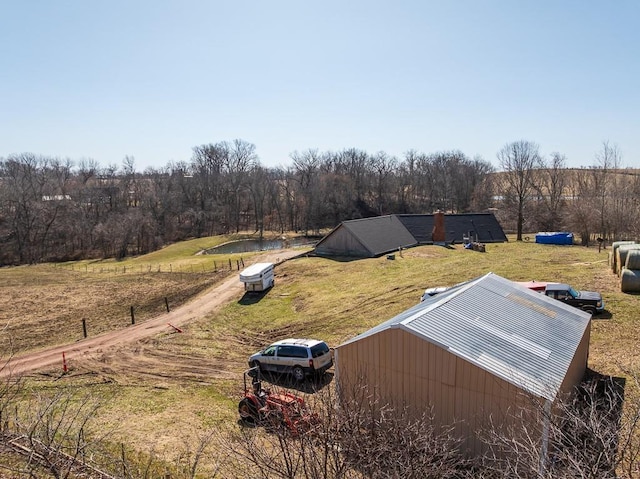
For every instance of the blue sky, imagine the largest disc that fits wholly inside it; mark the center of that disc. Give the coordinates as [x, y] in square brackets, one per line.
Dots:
[153, 79]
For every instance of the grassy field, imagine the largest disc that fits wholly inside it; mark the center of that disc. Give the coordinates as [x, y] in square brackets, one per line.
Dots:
[175, 387]
[44, 305]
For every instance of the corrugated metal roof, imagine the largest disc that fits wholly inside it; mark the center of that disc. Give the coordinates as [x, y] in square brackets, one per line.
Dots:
[522, 336]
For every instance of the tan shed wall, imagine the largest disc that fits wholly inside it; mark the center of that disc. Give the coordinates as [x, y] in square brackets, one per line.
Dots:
[342, 242]
[578, 366]
[402, 369]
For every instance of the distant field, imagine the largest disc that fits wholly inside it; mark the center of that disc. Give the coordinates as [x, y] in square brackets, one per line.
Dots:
[175, 386]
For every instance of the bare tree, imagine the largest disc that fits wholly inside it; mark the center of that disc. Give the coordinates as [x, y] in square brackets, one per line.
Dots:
[483, 194]
[30, 203]
[207, 186]
[241, 159]
[405, 185]
[306, 165]
[355, 163]
[259, 184]
[518, 161]
[383, 169]
[51, 211]
[549, 184]
[606, 187]
[336, 190]
[584, 215]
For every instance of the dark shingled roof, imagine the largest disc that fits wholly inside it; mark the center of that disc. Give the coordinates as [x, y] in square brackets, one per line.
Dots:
[384, 234]
[482, 227]
[381, 234]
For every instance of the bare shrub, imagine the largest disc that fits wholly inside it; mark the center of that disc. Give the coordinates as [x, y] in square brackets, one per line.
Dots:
[53, 433]
[354, 439]
[589, 436]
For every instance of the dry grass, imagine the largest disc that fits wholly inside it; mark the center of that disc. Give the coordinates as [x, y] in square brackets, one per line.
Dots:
[43, 305]
[175, 386]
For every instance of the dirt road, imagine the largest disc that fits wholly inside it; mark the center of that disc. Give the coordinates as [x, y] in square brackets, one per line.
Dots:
[203, 304]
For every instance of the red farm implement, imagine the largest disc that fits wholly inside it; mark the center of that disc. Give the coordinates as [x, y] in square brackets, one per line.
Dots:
[275, 410]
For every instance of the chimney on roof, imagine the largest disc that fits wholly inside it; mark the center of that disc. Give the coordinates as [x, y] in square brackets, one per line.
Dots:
[438, 233]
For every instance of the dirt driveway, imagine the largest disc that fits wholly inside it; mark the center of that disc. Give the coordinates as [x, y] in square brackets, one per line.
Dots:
[91, 348]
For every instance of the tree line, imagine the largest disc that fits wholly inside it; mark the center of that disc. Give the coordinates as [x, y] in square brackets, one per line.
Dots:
[54, 209]
[535, 193]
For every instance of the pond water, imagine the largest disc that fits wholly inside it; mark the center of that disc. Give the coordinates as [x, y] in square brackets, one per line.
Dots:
[246, 246]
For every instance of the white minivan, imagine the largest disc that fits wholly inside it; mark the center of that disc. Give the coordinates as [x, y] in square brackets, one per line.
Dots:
[299, 357]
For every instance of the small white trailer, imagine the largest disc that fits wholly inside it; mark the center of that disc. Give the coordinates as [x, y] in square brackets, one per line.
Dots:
[257, 277]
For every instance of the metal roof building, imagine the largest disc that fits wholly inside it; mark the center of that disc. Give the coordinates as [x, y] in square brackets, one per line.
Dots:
[370, 237]
[484, 348]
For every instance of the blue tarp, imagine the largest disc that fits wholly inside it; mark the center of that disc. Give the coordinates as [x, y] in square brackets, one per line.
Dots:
[557, 237]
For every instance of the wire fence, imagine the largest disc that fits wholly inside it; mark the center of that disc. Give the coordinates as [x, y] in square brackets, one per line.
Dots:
[202, 268]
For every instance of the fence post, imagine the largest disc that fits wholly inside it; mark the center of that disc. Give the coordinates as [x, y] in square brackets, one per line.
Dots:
[166, 303]
[230, 267]
[124, 460]
[84, 327]
[133, 317]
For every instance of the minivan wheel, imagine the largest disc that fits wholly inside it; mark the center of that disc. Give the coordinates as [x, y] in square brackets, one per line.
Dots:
[298, 374]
